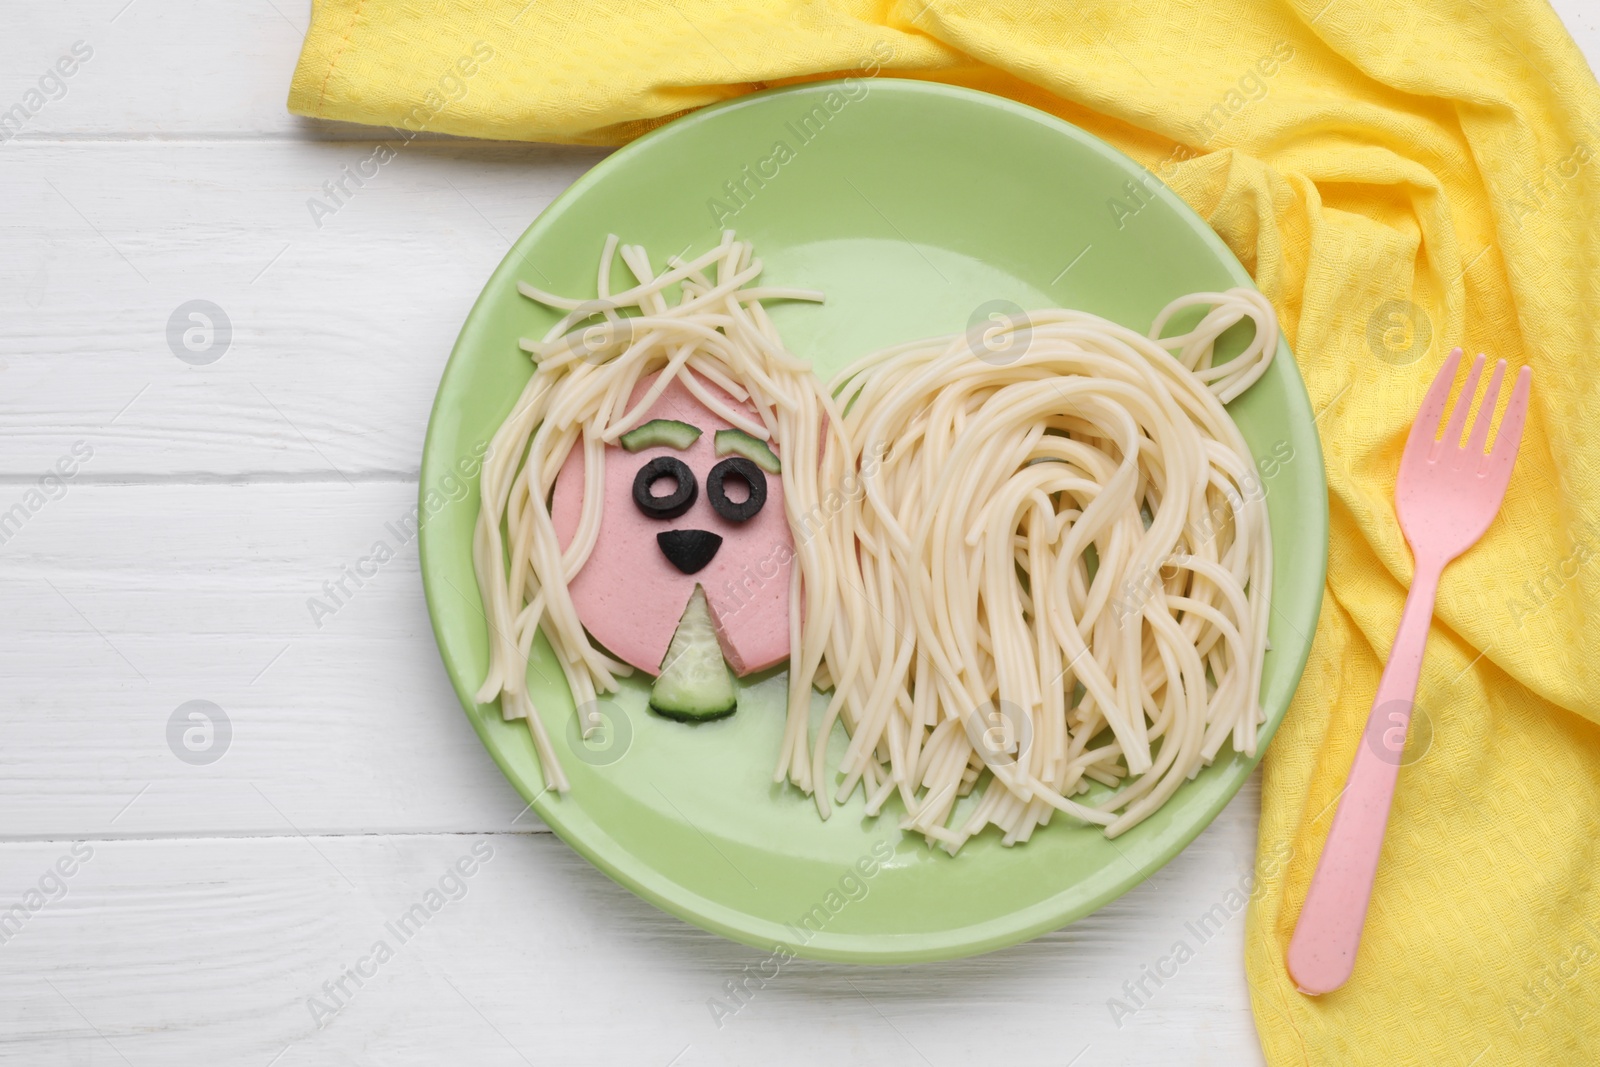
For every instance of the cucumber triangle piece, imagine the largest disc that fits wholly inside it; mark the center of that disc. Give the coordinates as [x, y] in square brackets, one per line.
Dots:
[694, 683]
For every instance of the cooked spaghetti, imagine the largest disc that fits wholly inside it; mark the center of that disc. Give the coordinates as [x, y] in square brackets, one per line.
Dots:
[1018, 575]
[1063, 509]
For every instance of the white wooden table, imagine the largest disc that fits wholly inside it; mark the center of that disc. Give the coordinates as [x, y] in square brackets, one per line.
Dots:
[175, 911]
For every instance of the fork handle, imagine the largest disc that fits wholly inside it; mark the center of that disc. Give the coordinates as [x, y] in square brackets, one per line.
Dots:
[1322, 952]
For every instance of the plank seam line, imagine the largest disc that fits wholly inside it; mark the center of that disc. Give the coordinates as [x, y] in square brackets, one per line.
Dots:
[178, 836]
[254, 477]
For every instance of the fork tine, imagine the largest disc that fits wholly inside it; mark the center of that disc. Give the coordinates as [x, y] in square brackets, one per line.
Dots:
[1458, 414]
[1509, 436]
[1432, 409]
[1491, 395]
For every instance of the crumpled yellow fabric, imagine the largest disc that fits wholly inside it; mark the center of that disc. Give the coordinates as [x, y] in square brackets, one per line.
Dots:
[1401, 176]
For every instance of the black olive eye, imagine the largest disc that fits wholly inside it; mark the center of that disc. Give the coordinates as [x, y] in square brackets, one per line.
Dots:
[743, 474]
[672, 504]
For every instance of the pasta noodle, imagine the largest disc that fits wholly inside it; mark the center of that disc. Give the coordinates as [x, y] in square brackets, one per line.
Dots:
[1053, 566]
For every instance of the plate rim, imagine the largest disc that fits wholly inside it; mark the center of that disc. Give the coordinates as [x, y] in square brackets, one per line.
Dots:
[883, 948]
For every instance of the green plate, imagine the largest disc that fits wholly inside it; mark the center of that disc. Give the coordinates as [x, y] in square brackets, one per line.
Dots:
[915, 207]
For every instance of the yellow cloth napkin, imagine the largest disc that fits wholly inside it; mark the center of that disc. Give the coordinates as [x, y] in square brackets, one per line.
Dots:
[1401, 176]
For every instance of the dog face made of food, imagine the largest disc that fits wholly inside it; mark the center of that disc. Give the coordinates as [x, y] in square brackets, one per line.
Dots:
[676, 514]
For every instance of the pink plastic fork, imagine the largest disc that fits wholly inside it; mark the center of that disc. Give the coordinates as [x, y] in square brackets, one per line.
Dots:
[1446, 497]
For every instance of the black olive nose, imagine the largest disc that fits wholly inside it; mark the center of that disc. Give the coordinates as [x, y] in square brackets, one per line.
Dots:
[688, 550]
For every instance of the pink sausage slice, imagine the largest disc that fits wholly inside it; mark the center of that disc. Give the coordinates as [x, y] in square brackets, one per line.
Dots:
[629, 597]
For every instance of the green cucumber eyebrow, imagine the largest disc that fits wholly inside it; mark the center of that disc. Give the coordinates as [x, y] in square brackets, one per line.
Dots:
[754, 449]
[659, 433]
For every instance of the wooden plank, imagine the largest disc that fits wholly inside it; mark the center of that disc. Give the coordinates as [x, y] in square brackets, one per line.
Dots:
[208, 951]
[338, 333]
[159, 70]
[138, 599]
